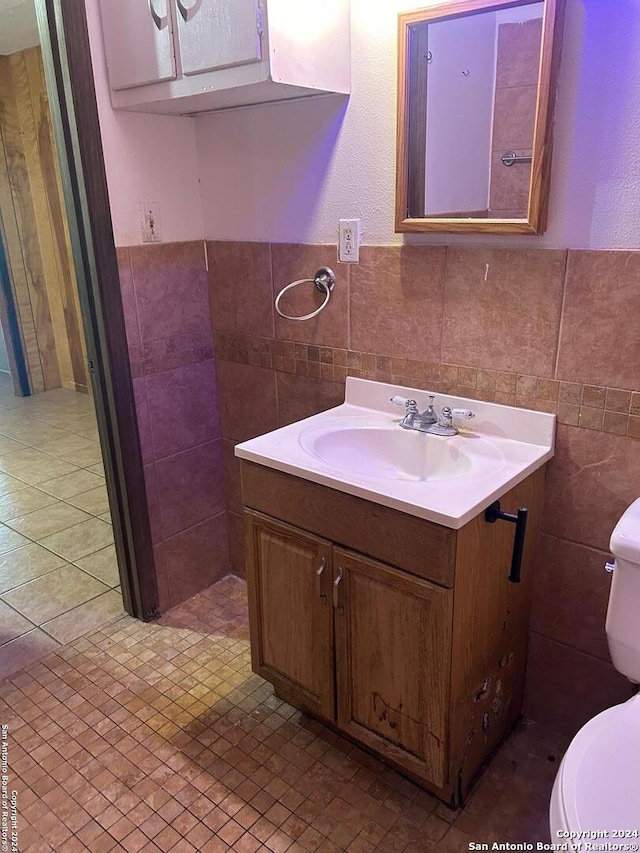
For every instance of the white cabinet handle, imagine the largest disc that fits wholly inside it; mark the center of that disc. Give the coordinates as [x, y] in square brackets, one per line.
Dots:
[160, 21]
[188, 12]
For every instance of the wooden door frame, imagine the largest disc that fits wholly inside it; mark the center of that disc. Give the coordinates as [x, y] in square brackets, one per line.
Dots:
[74, 112]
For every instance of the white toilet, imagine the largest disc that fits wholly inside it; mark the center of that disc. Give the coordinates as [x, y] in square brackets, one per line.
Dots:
[597, 789]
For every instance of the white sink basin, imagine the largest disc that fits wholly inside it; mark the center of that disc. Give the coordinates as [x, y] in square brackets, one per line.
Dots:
[390, 453]
[360, 448]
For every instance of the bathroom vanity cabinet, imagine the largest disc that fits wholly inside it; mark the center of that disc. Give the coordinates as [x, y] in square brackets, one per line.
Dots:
[404, 635]
[181, 57]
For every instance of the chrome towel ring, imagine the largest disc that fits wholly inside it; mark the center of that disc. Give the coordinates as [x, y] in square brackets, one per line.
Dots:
[324, 281]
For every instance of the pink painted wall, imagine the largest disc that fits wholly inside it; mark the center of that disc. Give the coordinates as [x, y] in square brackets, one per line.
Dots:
[148, 158]
[289, 172]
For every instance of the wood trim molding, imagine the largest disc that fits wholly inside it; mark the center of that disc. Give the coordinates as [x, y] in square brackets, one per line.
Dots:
[418, 48]
[69, 75]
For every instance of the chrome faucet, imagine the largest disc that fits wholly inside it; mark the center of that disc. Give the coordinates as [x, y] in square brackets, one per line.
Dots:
[428, 421]
[445, 426]
[414, 419]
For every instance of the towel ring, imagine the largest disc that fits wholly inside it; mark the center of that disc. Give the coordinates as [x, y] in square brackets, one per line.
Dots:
[324, 281]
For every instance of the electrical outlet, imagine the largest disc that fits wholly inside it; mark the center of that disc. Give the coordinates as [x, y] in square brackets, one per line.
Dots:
[150, 222]
[349, 241]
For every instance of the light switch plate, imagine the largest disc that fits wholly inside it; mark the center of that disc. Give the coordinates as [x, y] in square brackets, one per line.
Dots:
[150, 222]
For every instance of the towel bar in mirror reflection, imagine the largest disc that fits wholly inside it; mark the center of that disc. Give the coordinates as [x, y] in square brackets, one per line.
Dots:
[476, 93]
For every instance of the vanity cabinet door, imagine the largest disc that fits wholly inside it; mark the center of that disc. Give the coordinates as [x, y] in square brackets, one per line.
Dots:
[393, 647]
[291, 617]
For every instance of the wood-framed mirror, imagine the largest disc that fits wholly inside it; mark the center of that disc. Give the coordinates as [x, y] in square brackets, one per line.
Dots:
[476, 92]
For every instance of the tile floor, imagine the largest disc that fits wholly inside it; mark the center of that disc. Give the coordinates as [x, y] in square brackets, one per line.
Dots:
[58, 570]
[158, 737]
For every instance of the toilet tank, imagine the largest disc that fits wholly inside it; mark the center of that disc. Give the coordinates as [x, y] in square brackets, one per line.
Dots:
[623, 622]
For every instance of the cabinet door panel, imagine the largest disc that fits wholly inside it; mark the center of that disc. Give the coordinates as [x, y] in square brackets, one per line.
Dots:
[393, 636]
[289, 578]
[138, 42]
[217, 34]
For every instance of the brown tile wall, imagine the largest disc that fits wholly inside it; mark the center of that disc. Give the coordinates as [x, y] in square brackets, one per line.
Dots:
[548, 329]
[168, 322]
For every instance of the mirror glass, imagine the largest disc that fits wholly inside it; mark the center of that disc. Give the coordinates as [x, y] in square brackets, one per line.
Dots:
[473, 116]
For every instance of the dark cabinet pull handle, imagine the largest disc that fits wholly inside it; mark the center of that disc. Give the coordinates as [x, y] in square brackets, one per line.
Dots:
[492, 514]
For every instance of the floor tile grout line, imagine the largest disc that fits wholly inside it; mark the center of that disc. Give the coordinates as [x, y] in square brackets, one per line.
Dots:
[44, 573]
[18, 613]
[23, 413]
[65, 500]
[64, 643]
[80, 556]
[48, 507]
[62, 612]
[60, 556]
[19, 637]
[40, 485]
[59, 457]
[55, 568]
[53, 426]
[71, 609]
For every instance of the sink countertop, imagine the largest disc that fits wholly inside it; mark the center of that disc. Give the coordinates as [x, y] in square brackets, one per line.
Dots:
[501, 446]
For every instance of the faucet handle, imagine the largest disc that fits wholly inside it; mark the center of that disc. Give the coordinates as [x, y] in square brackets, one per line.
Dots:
[411, 405]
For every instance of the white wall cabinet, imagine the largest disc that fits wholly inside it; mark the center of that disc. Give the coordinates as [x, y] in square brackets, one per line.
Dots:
[181, 57]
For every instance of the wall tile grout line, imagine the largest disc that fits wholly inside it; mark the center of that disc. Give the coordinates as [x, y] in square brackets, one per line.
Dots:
[565, 280]
[599, 551]
[176, 453]
[549, 639]
[443, 304]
